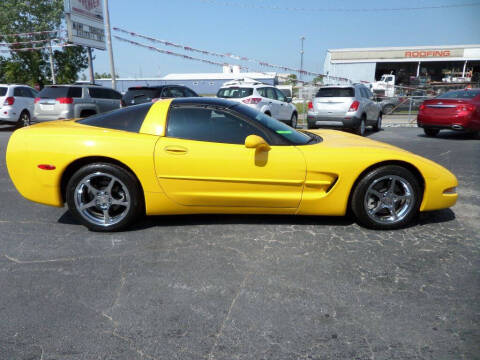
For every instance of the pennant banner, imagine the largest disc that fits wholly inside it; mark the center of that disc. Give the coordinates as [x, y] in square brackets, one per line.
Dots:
[227, 55]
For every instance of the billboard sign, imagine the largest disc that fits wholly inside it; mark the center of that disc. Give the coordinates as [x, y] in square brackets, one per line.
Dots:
[85, 23]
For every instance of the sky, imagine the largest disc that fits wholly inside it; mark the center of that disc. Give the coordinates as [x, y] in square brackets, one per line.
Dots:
[251, 28]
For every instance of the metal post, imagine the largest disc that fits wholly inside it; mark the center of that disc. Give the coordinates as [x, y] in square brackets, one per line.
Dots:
[109, 44]
[410, 108]
[90, 65]
[464, 68]
[52, 69]
[301, 57]
[418, 69]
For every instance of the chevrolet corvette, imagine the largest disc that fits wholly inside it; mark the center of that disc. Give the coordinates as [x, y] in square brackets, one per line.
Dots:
[207, 155]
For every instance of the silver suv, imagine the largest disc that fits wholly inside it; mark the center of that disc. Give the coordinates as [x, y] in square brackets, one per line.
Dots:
[347, 106]
[262, 97]
[74, 101]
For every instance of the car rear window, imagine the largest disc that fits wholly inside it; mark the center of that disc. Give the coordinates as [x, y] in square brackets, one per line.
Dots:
[143, 94]
[3, 91]
[126, 119]
[460, 94]
[53, 92]
[234, 92]
[335, 92]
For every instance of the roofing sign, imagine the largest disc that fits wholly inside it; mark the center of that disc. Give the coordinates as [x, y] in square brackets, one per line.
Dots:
[85, 23]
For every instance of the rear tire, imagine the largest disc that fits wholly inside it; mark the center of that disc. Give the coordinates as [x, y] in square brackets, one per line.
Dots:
[360, 129]
[104, 197]
[378, 124]
[294, 120]
[387, 198]
[24, 119]
[388, 109]
[431, 132]
[87, 113]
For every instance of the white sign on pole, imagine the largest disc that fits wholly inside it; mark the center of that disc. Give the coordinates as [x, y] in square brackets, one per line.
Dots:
[85, 23]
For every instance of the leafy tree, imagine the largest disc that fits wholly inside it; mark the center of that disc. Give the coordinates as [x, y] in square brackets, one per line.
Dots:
[22, 16]
[291, 79]
[104, 75]
[318, 80]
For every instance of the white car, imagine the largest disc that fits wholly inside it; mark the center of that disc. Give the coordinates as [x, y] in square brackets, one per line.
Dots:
[262, 97]
[16, 104]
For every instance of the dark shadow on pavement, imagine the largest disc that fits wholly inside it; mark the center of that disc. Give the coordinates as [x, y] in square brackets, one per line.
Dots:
[435, 217]
[453, 135]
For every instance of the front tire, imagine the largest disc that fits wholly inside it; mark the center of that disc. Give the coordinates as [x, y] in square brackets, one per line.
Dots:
[431, 132]
[386, 198]
[104, 197]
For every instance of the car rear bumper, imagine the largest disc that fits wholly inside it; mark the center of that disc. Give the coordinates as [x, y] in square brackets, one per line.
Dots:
[350, 122]
[7, 114]
[457, 122]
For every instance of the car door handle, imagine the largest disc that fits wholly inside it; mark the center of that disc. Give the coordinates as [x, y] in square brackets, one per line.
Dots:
[270, 102]
[176, 149]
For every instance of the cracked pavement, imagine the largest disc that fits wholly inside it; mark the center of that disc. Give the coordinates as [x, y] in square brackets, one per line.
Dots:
[246, 287]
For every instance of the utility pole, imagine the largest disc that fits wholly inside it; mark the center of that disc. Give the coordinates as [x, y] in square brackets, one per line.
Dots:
[109, 44]
[301, 56]
[52, 69]
[90, 65]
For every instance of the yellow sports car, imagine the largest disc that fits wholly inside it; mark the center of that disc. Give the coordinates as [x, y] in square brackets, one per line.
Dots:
[205, 155]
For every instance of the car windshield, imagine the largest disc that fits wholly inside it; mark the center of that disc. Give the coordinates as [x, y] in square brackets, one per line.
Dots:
[460, 94]
[290, 134]
[3, 91]
[335, 92]
[234, 92]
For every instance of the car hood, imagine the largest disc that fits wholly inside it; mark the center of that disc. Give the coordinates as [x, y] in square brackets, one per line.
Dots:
[341, 139]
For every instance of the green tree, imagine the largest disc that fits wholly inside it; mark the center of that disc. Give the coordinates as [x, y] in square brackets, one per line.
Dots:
[318, 80]
[291, 80]
[21, 16]
[104, 75]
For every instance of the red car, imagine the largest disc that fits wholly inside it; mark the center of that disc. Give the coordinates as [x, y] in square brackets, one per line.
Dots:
[456, 110]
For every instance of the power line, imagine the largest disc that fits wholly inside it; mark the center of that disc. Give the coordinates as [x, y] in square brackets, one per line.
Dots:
[304, 9]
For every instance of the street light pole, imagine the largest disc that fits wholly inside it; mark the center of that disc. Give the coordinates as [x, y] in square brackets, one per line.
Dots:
[109, 44]
[301, 57]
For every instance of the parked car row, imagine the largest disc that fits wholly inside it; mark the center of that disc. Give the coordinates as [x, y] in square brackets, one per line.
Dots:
[351, 107]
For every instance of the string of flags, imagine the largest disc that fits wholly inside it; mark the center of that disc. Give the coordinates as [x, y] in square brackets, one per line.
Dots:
[39, 48]
[223, 55]
[31, 33]
[28, 42]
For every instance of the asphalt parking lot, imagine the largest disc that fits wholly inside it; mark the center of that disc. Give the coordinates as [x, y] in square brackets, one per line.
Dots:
[246, 287]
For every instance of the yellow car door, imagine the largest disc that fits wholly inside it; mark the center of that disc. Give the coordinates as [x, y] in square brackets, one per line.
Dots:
[203, 161]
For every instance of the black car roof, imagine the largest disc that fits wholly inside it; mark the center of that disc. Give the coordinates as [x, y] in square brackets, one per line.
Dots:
[207, 101]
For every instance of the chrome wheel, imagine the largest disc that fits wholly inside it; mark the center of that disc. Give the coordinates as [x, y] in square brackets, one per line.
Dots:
[102, 199]
[389, 199]
[24, 119]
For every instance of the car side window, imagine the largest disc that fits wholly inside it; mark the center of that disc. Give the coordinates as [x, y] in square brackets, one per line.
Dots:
[126, 119]
[206, 124]
[360, 92]
[271, 93]
[75, 92]
[167, 92]
[18, 91]
[112, 94]
[30, 92]
[177, 92]
[262, 92]
[188, 93]
[280, 95]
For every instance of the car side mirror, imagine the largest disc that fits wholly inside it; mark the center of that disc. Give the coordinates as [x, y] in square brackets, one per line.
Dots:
[256, 142]
[289, 99]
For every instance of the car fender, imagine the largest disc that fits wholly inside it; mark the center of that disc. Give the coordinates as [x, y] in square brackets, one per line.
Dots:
[78, 108]
[266, 108]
